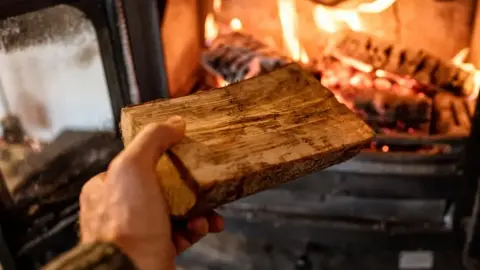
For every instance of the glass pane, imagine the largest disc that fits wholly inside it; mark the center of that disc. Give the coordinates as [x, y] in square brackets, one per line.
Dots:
[51, 73]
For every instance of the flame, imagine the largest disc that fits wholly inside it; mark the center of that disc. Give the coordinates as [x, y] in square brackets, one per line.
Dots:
[220, 82]
[288, 20]
[324, 19]
[211, 28]
[217, 5]
[459, 60]
[375, 6]
[236, 24]
[304, 57]
[331, 19]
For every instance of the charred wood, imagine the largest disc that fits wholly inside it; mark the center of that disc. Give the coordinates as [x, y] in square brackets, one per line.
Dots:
[416, 64]
[453, 114]
[237, 56]
[388, 110]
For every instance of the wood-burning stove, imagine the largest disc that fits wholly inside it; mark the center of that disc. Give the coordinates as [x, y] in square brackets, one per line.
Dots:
[405, 192]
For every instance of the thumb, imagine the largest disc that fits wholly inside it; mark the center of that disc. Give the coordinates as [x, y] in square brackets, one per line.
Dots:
[149, 145]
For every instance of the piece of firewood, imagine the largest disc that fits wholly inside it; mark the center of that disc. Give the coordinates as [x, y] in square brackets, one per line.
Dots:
[452, 114]
[417, 64]
[248, 137]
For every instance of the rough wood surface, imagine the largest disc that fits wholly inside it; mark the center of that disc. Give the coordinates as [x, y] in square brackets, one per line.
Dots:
[248, 137]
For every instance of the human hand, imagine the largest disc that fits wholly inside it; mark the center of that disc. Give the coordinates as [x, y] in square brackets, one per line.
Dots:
[125, 205]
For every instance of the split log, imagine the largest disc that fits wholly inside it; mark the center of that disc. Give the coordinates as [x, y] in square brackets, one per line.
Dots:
[416, 64]
[248, 137]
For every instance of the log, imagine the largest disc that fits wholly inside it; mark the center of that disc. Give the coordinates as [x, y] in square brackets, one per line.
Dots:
[248, 137]
[237, 56]
[417, 64]
[452, 114]
[400, 113]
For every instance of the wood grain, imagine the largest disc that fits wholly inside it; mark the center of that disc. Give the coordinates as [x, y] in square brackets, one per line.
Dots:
[248, 137]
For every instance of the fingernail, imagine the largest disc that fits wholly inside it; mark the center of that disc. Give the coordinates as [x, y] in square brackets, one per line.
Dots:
[176, 121]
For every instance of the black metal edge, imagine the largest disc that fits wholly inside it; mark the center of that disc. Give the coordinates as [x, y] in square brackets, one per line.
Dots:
[466, 208]
[144, 20]
[103, 16]
[105, 20]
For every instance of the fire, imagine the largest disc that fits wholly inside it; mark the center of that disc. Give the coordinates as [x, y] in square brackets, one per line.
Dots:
[460, 61]
[332, 19]
[288, 19]
[236, 24]
[375, 6]
[211, 28]
[217, 5]
[220, 82]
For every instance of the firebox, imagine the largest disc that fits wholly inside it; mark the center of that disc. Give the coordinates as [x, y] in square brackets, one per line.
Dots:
[408, 68]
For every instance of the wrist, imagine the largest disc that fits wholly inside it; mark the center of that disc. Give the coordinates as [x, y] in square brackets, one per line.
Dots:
[148, 255]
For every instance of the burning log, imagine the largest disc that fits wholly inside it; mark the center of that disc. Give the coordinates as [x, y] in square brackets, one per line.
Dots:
[248, 137]
[453, 114]
[416, 64]
[237, 56]
[388, 111]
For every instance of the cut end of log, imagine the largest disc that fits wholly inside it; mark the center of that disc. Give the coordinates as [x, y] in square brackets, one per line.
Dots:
[248, 137]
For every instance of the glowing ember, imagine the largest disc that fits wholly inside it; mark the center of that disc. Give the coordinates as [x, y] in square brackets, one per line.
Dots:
[211, 28]
[288, 18]
[385, 148]
[460, 61]
[236, 24]
[388, 102]
[221, 82]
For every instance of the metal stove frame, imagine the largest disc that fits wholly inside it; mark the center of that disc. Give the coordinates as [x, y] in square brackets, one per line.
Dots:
[151, 77]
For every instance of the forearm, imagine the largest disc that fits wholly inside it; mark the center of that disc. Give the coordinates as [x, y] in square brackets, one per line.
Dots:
[95, 256]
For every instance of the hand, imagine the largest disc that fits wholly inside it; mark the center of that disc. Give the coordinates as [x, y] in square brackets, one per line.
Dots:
[126, 206]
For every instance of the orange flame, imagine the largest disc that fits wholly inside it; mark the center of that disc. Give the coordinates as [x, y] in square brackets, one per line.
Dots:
[211, 28]
[331, 19]
[375, 6]
[288, 19]
[236, 24]
[220, 82]
[459, 60]
[217, 5]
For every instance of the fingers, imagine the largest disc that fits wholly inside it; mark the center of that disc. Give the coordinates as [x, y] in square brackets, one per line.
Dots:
[216, 223]
[91, 207]
[197, 228]
[181, 243]
[148, 146]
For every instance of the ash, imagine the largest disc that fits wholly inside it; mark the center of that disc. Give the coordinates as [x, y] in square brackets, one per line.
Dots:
[57, 24]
